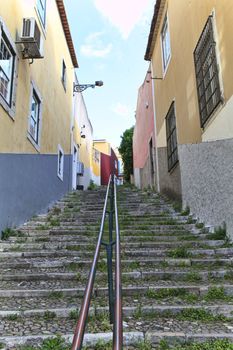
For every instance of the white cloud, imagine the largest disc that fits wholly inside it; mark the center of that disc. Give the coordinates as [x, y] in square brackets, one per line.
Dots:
[123, 14]
[122, 110]
[94, 46]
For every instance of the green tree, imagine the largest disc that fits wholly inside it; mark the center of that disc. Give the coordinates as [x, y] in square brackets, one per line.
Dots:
[126, 151]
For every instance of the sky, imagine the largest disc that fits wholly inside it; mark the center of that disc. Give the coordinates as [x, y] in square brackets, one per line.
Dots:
[110, 38]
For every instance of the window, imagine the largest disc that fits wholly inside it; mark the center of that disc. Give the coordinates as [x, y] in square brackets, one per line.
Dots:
[60, 163]
[7, 62]
[63, 77]
[41, 7]
[172, 150]
[34, 117]
[166, 47]
[206, 67]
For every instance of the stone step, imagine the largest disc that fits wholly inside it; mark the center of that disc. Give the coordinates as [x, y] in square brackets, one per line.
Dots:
[170, 275]
[144, 263]
[86, 238]
[152, 309]
[137, 253]
[90, 340]
[6, 246]
[192, 252]
[198, 289]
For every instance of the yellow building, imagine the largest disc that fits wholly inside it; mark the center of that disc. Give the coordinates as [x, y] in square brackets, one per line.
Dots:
[36, 104]
[191, 55]
[103, 146]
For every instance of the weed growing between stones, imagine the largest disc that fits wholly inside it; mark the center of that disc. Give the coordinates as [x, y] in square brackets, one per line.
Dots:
[165, 293]
[13, 317]
[185, 212]
[56, 210]
[192, 277]
[180, 252]
[199, 315]
[9, 232]
[177, 206]
[222, 344]
[54, 222]
[73, 247]
[217, 293]
[163, 345]
[42, 239]
[100, 345]
[199, 225]
[219, 233]
[99, 322]
[49, 315]
[55, 295]
[42, 227]
[73, 315]
[144, 345]
[74, 266]
[102, 266]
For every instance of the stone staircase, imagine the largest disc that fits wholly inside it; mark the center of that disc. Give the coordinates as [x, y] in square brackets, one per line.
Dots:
[177, 277]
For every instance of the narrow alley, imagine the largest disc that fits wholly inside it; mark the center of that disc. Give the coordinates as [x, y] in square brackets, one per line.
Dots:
[176, 276]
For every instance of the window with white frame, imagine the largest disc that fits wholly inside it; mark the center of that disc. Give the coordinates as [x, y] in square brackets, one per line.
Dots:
[63, 76]
[7, 62]
[166, 45]
[34, 118]
[41, 7]
[60, 163]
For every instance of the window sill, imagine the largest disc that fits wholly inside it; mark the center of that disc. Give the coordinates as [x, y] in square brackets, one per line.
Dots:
[9, 110]
[34, 144]
[60, 177]
[213, 115]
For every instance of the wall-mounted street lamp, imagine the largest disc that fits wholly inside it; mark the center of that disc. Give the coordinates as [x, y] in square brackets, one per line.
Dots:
[82, 87]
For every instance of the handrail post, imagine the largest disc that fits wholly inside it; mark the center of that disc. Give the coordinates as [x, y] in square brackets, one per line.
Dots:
[109, 254]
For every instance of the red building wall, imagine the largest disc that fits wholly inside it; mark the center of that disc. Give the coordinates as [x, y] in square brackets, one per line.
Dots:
[109, 165]
[144, 127]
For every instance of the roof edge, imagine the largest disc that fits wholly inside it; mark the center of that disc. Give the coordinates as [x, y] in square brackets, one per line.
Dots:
[66, 29]
[154, 29]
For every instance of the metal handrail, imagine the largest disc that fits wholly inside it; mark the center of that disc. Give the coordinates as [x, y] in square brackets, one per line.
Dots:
[115, 306]
[118, 328]
[80, 328]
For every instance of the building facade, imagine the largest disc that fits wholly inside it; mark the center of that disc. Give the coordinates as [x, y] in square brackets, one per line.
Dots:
[144, 138]
[82, 133]
[190, 51]
[37, 61]
[108, 160]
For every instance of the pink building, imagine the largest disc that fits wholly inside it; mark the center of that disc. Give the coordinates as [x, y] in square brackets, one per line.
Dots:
[144, 137]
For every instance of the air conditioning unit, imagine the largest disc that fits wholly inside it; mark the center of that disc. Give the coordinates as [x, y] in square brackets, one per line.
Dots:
[31, 39]
[80, 168]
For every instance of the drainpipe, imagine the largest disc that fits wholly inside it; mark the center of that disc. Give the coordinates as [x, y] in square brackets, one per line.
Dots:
[155, 126]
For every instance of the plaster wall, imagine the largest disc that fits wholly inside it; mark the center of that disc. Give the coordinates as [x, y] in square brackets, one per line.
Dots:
[206, 175]
[29, 185]
[170, 182]
[186, 23]
[144, 127]
[46, 74]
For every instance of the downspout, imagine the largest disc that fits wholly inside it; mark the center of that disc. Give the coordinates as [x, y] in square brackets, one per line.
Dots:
[155, 127]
